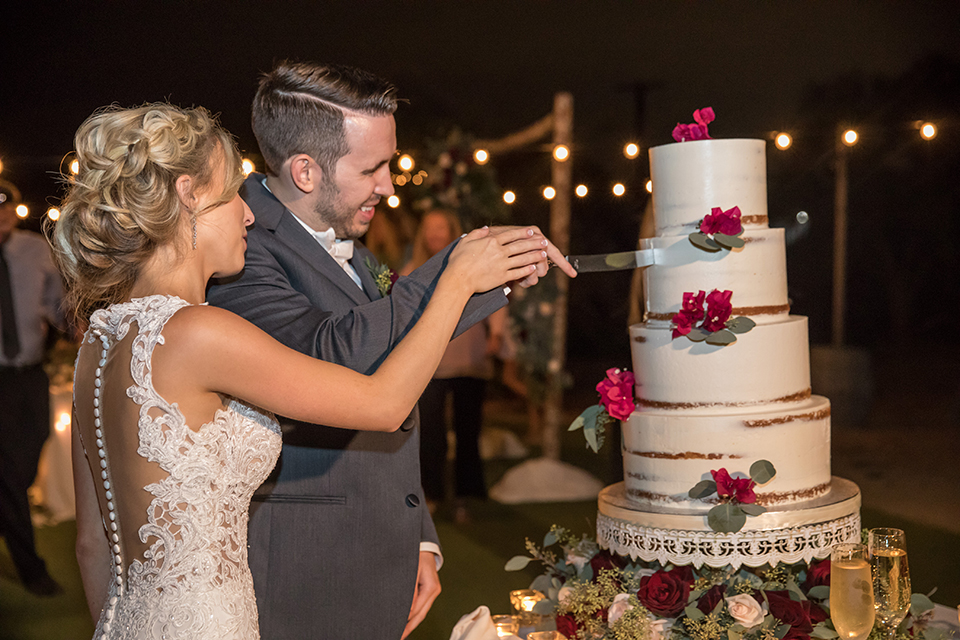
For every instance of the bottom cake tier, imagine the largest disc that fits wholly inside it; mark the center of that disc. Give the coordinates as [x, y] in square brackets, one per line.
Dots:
[790, 533]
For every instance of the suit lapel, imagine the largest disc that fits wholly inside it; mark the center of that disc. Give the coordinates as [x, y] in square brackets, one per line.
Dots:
[359, 261]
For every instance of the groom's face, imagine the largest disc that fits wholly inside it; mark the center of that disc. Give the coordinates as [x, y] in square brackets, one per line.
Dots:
[346, 199]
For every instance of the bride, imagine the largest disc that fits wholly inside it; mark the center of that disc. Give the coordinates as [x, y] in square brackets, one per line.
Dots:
[173, 427]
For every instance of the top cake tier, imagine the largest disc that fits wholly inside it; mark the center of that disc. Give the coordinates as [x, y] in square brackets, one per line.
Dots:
[690, 178]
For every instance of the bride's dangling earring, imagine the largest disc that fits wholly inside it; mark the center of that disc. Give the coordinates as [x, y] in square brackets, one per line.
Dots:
[193, 224]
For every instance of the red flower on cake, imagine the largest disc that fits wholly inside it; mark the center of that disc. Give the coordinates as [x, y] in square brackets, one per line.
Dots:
[738, 489]
[664, 593]
[697, 130]
[616, 393]
[718, 310]
[724, 482]
[693, 304]
[683, 323]
[720, 221]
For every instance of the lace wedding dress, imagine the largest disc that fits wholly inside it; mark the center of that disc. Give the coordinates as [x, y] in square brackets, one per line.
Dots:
[174, 500]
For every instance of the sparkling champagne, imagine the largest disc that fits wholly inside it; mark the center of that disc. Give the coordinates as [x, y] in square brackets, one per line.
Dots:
[851, 598]
[891, 585]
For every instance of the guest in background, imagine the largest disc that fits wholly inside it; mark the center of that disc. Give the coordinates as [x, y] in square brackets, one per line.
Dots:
[30, 294]
[463, 373]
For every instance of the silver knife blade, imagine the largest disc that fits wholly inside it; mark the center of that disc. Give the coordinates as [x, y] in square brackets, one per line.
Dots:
[613, 261]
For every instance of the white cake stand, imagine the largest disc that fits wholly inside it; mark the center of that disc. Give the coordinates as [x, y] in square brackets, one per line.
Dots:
[789, 533]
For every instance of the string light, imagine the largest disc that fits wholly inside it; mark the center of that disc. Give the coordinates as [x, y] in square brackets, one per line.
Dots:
[561, 153]
[783, 141]
[481, 156]
[619, 189]
[850, 137]
[22, 211]
[631, 150]
[509, 197]
[928, 131]
[393, 202]
[405, 162]
[549, 193]
[53, 213]
[649, 186]
[248, 166]
[581, 190]
[75, 167]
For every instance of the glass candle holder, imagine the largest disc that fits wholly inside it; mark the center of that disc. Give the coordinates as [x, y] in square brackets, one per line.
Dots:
[506, 625]
[524, 600]
[546, 635]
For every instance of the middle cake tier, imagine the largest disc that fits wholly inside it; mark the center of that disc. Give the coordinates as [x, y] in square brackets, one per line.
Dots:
[768, 365]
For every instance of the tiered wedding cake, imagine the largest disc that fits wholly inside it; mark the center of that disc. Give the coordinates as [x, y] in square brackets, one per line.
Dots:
[703, 406]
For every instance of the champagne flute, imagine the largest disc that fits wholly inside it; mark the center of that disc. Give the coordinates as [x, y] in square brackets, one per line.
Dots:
[851, 591]
[891, 578]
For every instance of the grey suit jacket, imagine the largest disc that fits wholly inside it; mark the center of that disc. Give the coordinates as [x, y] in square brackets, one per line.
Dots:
[335, 531]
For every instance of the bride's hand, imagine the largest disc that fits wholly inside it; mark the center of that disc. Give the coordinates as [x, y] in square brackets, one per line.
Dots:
[482, 261]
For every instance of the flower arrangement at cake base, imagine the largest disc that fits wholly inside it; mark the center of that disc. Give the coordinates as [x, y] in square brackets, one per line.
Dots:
[596, 595]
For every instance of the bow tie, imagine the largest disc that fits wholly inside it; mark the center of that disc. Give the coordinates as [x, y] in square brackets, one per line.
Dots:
[340, 250]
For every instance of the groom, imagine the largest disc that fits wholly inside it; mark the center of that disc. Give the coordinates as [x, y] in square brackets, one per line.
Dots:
[341, 542]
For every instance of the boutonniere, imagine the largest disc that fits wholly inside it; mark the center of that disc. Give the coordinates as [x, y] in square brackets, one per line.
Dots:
[383, 275]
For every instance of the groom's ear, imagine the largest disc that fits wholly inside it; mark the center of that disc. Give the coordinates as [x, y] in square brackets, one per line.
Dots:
[304, 172]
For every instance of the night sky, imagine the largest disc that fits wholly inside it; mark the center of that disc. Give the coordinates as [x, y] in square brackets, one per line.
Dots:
[490, 67]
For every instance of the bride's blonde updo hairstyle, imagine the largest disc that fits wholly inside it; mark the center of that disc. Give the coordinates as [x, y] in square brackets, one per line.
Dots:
[123, 203]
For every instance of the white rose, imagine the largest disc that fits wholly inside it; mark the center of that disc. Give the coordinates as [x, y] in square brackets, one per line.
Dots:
[745, 609]
[563, 594]
[621, 604]
[660, 629]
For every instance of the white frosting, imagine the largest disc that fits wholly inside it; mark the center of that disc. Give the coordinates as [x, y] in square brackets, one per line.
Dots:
[756, 274]
[690, 178]
[665, 453]
[768, 364]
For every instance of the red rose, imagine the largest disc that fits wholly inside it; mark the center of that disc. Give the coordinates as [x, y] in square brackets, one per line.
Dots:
[606, 560]
[708, 601]
[616, 393]
[814, 612]
[664, 593]
[567, 625]
[818, 574]
[790, 612]
[725, 488]
[718, 310]
[743, 490]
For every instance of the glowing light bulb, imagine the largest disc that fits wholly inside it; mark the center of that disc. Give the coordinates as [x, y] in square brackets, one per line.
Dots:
[393, 202]
[803, 217]
[549, 193]
[22, 211]
[632, 150]
[928, 131]
[581, 190]
[649, 186]
[248, 166]
[783, 141]
[480, 156]
[53, 213]
[509, 197]
[561, 153]
[619, 189]
[850, 137]
[405, 162]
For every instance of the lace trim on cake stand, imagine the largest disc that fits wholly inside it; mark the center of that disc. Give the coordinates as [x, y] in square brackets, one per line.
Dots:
[748, 548]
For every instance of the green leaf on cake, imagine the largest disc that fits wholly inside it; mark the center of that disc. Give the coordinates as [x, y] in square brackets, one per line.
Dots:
[576, 424]
[703, 241]
[516, 563]
[740, 324]
[762, 471]
[752, 509]
[730, 242]
[726, 518]
[703, 489]
[697, 334]
[721, 338]
[592, 429]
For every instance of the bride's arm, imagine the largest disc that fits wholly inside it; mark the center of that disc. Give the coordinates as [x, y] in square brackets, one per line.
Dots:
[93, 552]
[228, 355]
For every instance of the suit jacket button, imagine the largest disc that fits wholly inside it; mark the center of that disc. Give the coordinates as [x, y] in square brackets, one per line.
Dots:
[413, 500]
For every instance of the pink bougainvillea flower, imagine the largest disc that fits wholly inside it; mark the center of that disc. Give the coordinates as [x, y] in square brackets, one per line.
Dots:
[720, 221]
[704, 116]
[743, 490]
[616, 393]
[683, 323]
[718, 310]
[725, 485]
[696, 131]
[693, 304]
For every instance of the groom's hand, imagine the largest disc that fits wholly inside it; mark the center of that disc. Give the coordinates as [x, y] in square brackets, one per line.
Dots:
[510, 234]
[428, 588]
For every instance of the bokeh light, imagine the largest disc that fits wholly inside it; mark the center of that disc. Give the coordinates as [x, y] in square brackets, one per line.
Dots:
[928, 131]
[581, 190]
[22, 211]
[783, 141]
[393, 202]
[549, 193]
[248, 166]
[649, 186]
[850, 137]
[75, 167]
[561, 153]
[480, 156]
[405, 162]
[509, 197]
[619, 189]
[53, 213]
[803, 217]
[631, 150]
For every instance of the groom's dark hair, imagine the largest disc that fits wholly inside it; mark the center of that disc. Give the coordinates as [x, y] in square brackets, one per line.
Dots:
[299, 109]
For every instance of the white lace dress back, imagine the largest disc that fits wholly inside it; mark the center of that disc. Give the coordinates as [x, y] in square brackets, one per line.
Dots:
[174, 500]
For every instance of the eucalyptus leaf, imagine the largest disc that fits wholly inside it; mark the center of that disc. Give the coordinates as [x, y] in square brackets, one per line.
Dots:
[732, 634]
[703, 241]
[697, 334]
[703, 489]
[550, 538]
[762, 471]
[824, 632]
[740, 324]
[693, 613]
[721, 338]
[819, 592]
[576, 424]
[726, 518]
[920, 603]
[731, 242]
[586, 574]
[544, 607]
[516, 563]
[753, 509]
[782, 631]
[590, 433]
[541, 583]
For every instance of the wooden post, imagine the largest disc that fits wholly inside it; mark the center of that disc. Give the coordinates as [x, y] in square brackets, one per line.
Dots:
[840, 241]
[562, 181]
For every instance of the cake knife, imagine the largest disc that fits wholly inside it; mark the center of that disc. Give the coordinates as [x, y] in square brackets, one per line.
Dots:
[613, 261]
